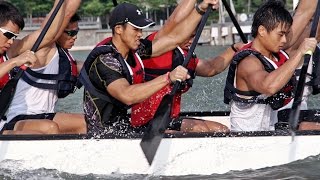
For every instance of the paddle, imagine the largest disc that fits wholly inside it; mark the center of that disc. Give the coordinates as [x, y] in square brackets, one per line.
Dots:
[154, 133]
[235, 22]
[8, 91]
[295, 110]
[115, 3]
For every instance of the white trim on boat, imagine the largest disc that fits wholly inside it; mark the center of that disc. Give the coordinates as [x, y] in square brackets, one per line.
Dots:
[185, 154]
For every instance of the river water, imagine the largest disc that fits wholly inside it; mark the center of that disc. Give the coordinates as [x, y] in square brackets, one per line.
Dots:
[205, 95]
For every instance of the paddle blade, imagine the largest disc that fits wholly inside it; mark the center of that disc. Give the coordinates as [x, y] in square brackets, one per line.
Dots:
[154, 133]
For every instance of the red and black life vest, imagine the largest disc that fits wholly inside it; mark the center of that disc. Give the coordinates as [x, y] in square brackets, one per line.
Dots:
[143, 112]
[134, 75]
[66, 79]
[5, 78]
[276, 101]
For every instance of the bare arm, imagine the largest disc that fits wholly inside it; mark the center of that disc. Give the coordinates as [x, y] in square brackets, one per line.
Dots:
[131, 94]
[26, 57]
[20, 46]
[214, 66]
[301, 19]
[181, 12]
[251, 74]
[71, 8]
[174, 34]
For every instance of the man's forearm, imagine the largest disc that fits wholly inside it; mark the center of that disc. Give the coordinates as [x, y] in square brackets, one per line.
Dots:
[181, 12]
[301, 19]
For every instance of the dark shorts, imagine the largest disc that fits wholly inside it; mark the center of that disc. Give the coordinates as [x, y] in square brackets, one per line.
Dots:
[10, 125]
[122, 127]
[305, 115]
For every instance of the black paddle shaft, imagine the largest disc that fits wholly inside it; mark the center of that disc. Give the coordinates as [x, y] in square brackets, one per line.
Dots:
[8, 90]
[115, 3]
[295, 110]
[155, 131]
[235, 22]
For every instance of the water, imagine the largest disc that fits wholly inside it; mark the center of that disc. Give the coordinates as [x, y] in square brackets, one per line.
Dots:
[303, 169]
[205, 95]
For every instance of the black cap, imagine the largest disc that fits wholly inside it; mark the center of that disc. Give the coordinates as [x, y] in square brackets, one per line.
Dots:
[131, 14]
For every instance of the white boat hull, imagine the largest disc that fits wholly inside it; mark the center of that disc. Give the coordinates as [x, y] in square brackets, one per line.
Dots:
[175, 156]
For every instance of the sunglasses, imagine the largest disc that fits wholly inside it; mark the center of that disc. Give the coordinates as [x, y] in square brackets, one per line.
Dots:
[8, 34]
[72, 33]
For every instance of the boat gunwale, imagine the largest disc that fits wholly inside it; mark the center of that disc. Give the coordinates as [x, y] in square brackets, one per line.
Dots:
[166, 135]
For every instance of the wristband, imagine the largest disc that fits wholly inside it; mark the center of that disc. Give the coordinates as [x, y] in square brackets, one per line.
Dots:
[233, 48]
[200, 11]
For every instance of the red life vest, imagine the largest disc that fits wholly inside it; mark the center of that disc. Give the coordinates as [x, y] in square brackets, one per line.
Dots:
[5, 78]
[143, 112]
[137, 72]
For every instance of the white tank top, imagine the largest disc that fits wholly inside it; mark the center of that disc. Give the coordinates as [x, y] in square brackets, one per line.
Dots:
[31, 100]
[252, 117]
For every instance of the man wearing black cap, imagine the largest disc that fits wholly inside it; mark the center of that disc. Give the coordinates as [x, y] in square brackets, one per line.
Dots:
[118, 73]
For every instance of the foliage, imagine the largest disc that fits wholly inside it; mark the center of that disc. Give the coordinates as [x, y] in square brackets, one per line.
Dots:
[93, 8]
[31, 8]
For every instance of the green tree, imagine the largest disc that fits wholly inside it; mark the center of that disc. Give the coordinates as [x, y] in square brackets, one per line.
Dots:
[30, 8]
[93, 8]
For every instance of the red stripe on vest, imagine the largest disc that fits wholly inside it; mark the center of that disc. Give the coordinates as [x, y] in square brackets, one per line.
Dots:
[282, 58]
[74, 69]
[5, 78]
[137, 110]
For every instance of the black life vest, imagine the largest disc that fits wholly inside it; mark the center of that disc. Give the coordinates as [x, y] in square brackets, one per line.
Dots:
[66, 79]
[276, 101]
[315, 81]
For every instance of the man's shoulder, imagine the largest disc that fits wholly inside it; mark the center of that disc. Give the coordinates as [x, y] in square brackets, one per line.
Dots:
[108, 61]
[250, 62]
[145, 48]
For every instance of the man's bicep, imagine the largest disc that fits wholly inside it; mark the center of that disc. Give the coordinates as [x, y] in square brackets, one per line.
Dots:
[117, 87]
[252, 72]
